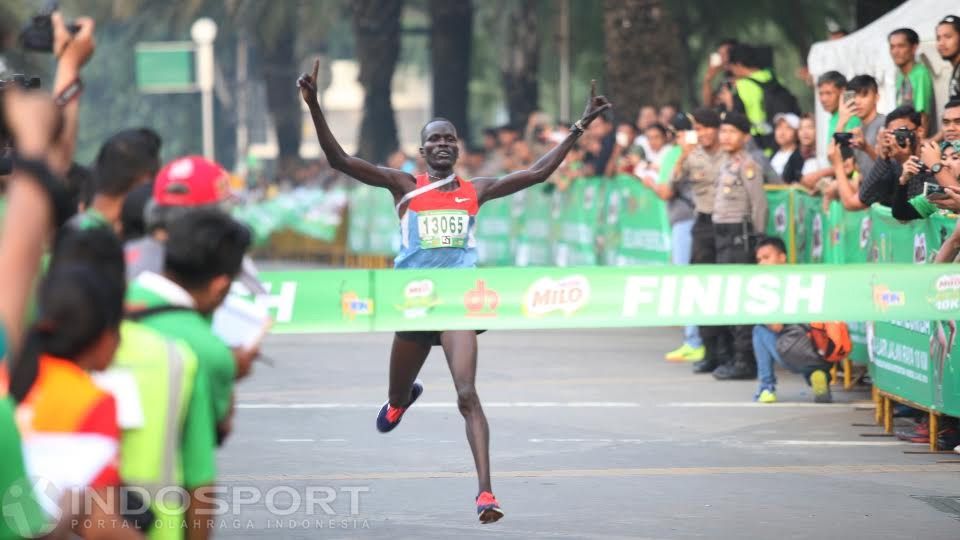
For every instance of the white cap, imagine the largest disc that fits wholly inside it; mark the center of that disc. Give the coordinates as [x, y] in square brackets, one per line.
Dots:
[791, 119]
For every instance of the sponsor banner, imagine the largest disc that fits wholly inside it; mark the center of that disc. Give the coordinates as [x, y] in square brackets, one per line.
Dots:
[635, 224]
[597, 297]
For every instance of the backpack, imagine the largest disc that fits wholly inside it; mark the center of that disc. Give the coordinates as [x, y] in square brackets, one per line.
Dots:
[777, 99]
[831, 339]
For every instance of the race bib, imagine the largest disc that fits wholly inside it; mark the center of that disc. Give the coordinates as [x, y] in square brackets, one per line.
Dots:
[443, 228]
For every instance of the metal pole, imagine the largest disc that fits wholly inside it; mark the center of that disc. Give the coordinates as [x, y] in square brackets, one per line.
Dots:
[243, 139]
[204, 32]
[564, 45]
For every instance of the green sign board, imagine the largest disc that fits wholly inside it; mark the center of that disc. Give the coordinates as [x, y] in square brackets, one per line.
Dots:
[165, 67]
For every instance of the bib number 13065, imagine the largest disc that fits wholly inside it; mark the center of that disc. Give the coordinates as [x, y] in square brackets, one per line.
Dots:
[444, 228]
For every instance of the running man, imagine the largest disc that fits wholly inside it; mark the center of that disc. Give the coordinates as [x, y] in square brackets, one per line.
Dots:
[437, 213]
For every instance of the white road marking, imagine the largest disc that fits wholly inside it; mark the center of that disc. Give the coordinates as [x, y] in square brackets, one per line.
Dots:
[635, 441]
[836, 443]
[452, 405]
[753, 404]
[310, 440]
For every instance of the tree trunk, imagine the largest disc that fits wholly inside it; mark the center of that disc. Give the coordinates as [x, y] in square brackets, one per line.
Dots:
[278, 63]
[451, 36]
[520, 58]
[642, 46]
[376, 26]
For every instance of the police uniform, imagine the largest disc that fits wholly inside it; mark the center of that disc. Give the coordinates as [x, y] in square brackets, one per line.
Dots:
[740, 210]
[700, 169]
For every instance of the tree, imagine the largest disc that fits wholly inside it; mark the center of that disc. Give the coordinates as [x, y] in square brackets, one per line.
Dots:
[451, 38]
[519, 60]
[276, 39]
[643, 54]
[376, 25]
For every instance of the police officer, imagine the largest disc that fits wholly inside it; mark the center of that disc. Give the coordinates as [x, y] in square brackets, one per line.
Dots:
[698, 172]
[739, 211]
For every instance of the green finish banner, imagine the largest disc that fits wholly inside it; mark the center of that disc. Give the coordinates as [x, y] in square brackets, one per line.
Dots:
[604, 297]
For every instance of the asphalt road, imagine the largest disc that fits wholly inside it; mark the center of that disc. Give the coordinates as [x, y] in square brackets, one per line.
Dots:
[593, 436]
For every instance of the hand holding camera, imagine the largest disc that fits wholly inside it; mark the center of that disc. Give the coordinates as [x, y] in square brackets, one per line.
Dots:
[911, 168]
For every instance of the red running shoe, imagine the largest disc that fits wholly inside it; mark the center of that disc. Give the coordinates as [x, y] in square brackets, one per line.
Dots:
[488, 508]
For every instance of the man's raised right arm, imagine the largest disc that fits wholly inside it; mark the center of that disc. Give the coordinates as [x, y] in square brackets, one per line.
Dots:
[398, 182]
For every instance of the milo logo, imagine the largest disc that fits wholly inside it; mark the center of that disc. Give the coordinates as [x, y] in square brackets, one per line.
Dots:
[419, 298]
[947, 293]
[547, 295]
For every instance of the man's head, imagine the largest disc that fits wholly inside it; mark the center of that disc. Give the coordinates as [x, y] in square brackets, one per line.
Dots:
[184, 184]
[948, 38]
[706, 122]
[490, 140]
[905, 122]
[865, 95]
[438, 144]
[903, 46]
[951, 121]
[656, 136]
[744, 60]
[734, 132]
[771, 250]
[127, 159]
[829, 87]
[647, 116]
[601, 126]
[204, 254]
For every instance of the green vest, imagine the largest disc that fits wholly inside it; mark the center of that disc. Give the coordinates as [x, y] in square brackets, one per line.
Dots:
[165, 372]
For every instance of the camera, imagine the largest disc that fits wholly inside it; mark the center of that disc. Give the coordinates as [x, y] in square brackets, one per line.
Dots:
[38, 34]
[905, 137]
[934, 191]
[843, 138]
[6, 142]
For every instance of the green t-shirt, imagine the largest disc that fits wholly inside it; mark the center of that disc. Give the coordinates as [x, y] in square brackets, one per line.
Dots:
[192, 328]
[832, 127]
[916, 89]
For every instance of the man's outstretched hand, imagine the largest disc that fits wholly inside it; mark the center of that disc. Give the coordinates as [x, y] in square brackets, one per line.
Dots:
[308, 84]
[596, 105]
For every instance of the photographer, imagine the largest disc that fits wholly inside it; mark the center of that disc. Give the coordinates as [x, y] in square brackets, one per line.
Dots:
[864, 140]
[847, 177]
[926, 204]
[897, 142]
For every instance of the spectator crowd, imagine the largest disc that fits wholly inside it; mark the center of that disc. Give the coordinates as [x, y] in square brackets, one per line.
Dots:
[142, 254]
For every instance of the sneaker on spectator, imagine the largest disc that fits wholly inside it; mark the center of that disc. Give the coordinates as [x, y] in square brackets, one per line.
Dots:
[920, 433]
[820, 382]
[957, 448]
[686, 353]
[948, 438]
[766, 396]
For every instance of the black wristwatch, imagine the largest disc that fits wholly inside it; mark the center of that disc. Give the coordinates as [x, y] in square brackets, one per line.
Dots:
[936, 168]
[60, 201]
